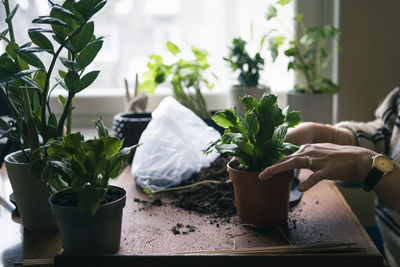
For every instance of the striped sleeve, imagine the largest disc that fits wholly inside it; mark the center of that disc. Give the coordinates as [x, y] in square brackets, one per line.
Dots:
[377, 134]
[388, 222]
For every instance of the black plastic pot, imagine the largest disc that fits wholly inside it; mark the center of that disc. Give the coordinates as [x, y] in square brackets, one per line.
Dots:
[130, 126]
[83, 233]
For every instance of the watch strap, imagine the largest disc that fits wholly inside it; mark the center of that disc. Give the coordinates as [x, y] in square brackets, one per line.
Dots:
[372, 179]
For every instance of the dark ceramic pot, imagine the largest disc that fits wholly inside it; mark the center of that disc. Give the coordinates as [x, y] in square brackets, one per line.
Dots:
[83, 233]
[260, 203]
[30, 194]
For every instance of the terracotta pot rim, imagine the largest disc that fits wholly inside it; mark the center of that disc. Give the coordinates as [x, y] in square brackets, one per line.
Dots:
[229, 166]
[51, 198]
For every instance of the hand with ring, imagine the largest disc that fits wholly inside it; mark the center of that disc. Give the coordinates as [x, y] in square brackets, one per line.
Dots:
[327, 161]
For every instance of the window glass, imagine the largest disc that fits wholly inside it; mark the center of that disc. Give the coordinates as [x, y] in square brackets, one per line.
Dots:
[135, 29]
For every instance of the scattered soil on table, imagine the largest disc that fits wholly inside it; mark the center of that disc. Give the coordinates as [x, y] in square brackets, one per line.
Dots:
[148, 204]
[216, 200]
[181, 229]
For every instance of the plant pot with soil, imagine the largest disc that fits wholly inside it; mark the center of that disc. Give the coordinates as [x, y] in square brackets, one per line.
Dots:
[257, 141]
[26, 85]
[89, 211]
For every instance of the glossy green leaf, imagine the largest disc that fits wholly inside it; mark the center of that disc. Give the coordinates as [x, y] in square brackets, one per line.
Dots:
[7, 66]
[87, 80]
[30, 83]
[83, 38]
[72, 81]
[70, 65]
[31, 59]
[62, 100]
[225, 118]
[51, 21]
[271, 12]
[173, 48]
[11, 49]
[41, 41]
[89, 53]
[88, 199]
[101, 129]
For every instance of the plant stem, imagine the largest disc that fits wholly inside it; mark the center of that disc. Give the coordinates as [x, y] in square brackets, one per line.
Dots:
[64, 115]
[10, 26]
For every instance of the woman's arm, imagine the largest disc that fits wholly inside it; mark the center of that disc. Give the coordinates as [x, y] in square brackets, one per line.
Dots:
[312, 132]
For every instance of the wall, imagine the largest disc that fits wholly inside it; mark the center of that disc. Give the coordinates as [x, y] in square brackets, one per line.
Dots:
[369, 63]
[368, 70]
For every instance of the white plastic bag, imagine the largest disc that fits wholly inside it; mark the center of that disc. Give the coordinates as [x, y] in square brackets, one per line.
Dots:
[171, 147]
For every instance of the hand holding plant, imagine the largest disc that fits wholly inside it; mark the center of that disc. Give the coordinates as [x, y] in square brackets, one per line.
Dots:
[258, 138]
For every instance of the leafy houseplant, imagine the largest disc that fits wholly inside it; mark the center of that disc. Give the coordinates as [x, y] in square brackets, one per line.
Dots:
[257, 141]
[87, 207]
[309, 57]
[248, 68]
[25, 85]
[187, 77]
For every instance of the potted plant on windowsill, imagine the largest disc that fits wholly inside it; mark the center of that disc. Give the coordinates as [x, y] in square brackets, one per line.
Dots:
[25, 86]
[313, 91]
[257, 141]
[249, 68]
[187, 77]
[89, 212]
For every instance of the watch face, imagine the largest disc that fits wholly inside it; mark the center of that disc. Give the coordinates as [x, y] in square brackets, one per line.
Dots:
[383, 163]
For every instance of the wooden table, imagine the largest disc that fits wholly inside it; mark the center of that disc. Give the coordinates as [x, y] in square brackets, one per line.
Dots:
[147, 239]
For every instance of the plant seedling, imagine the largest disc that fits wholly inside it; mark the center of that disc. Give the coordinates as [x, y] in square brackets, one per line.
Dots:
[257, 140]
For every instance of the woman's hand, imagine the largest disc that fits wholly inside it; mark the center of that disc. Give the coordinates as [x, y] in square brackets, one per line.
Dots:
[328, 161]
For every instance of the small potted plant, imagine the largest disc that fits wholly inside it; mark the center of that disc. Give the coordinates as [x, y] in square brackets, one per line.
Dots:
[248, 68]
[313, 91]
[89, 212]
[26, 87]
[257, 141]
[187, 77]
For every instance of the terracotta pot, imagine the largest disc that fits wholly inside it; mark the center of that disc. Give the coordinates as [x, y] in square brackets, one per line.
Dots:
[30, 194]
[260, 203]
[83, 233]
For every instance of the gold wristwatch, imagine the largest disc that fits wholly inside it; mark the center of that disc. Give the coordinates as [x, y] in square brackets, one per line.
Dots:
[381, 165]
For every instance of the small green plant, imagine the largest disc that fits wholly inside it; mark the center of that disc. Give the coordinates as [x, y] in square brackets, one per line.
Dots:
[249, 67]
[309, 57]
[308, 53]
[84, 166]
[258, 138]
[25, 80]
[187, 77]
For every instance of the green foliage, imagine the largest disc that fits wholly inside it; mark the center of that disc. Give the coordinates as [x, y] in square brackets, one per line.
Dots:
[258, 138]
[186, 77]
[249, 67]
[85, 166]
[25, 80]
[309, 57]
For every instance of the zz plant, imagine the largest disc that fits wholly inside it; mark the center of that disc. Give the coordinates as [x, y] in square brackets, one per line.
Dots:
[25, 81]
[257, 140]
[187, 76]
[84, 166]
